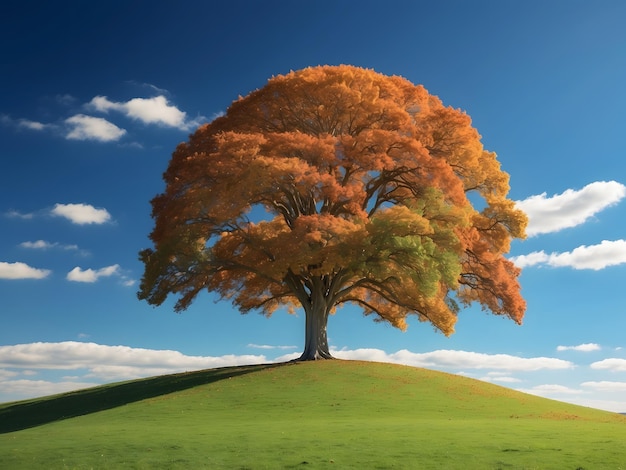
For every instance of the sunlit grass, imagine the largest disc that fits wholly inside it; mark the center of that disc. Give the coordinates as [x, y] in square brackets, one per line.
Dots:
[329, 414]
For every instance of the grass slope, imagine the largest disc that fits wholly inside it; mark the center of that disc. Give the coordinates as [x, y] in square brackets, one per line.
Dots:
[328, 414]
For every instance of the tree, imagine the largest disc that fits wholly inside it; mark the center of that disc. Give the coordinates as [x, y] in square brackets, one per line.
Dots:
[335, 185]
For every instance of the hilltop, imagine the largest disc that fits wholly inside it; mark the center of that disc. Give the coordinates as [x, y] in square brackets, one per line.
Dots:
[325, 414]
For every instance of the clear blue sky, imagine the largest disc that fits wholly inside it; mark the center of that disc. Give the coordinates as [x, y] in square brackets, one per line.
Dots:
[95, 97]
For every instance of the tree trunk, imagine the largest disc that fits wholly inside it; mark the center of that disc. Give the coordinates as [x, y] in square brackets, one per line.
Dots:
[315, 340]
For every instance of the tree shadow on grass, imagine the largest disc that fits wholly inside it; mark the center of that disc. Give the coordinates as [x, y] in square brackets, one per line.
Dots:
[31, 413]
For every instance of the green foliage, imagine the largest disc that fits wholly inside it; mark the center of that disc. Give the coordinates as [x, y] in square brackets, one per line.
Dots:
[328, 414]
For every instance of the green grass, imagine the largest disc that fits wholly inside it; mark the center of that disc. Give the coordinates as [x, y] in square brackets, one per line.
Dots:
[328, 414]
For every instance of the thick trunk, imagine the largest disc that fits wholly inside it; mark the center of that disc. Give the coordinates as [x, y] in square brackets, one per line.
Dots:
[316, 342]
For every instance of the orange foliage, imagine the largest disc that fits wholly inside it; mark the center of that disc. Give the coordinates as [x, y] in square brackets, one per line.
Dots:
[332, 185]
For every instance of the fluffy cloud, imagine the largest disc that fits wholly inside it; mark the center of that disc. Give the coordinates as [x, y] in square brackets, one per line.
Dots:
[89, 275]
[81, 214]
[19, 270]
[531, 259]
[596, 257]
[585, 347]
[495, 377]
[112, 362]
[84, 127]
[570, 208]
[22, 389]
[451, 360]
[5, 374]
[154, 110]
[606, 386]
[612, 364]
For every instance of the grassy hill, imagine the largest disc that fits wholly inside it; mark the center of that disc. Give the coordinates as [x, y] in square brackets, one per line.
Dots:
[328, 414]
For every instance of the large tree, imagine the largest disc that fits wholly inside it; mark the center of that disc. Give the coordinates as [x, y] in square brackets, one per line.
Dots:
[335, 185]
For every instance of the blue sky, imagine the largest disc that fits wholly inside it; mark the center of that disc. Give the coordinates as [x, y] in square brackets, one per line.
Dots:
[95, 98]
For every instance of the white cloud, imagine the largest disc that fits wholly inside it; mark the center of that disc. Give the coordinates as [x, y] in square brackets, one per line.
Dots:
[5, 374]
[81, 214]
[612, 364]
[548, 390]
[33, 125]
[85, 364]
[25, 123]
[606, 253]
[268, 346]
[502, 379]
[38, 245]
[112, 362]
[84, 127]
[156, 110]
[451, 360]
[531, 259]
[570, 208]
[20, 270]
[45, 245]
[585, 347]
[606, 386]
[89, 275]
[23, 389]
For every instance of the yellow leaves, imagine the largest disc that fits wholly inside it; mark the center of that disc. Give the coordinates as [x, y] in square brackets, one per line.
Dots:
[400, 221]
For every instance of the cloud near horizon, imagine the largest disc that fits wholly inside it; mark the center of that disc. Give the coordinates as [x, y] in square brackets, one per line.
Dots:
[456, 360]
[585, 347]
[106, 362]
[111, 362]
[89, 364]
[570, 208]
[24, 367]
[269, 346]
[550, 390]
[606, 386]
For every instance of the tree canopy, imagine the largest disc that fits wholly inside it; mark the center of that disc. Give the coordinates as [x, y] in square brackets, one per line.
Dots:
[334, 185]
